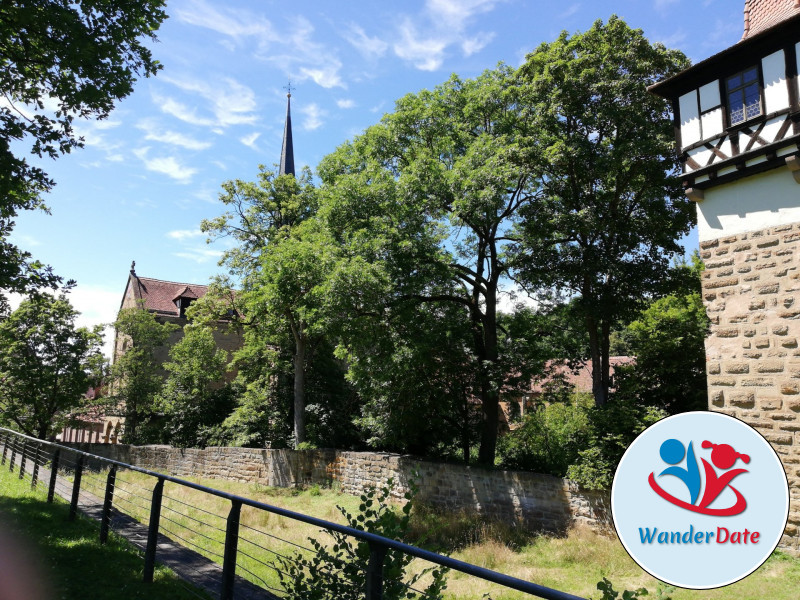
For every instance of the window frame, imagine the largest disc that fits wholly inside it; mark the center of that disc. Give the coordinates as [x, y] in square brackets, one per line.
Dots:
[759, 81]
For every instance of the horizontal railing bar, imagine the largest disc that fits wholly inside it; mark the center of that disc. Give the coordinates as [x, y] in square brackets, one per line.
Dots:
[438, 559]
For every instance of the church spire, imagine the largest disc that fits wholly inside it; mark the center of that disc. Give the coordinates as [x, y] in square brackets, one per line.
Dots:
[287, 152]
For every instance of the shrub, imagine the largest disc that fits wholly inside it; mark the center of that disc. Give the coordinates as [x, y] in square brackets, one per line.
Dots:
[339, 571]
[612, 428]
[548, 440]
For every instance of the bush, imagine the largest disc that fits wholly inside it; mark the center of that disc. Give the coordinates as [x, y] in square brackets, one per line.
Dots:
[338, 571]
[612, 428]
[548, 440]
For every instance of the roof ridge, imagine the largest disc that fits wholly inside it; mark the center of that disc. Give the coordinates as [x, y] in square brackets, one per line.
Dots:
[172, 282]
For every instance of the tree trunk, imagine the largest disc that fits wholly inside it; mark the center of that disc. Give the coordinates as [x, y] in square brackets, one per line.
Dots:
[490, 394]
[299, 390]
[599, 391]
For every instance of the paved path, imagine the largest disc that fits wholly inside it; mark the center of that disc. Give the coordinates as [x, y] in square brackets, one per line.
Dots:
[187, 564]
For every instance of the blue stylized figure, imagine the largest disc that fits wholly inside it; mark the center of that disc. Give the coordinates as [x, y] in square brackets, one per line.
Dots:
[672, 452]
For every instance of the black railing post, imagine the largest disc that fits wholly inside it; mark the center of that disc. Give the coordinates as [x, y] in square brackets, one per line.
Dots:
[51, 489]
[6, 436]
[22, 458]
[152, 532]
[35, 475]
[377, 554]
[13, 454]
[76, 488]
[231, 548]
[105, 521]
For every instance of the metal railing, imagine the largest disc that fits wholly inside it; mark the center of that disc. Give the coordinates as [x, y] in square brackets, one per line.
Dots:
[36, 456]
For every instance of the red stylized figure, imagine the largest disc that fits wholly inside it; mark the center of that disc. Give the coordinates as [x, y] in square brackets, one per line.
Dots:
[724, 457]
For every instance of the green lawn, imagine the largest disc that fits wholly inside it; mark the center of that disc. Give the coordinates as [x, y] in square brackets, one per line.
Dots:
[574, 563]
[49, 557]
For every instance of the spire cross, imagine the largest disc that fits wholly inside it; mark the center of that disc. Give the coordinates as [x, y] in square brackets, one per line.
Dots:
[288, 87]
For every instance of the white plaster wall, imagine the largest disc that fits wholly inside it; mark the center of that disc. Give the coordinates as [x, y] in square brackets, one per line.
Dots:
[776, 91]
[690, 119]
[712, 124]
[797, 53]
[709, 96]
[750, 204]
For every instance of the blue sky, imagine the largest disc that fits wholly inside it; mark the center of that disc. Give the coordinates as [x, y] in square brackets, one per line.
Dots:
[152, 171]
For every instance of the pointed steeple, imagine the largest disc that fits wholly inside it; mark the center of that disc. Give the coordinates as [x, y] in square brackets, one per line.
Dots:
[287, 152]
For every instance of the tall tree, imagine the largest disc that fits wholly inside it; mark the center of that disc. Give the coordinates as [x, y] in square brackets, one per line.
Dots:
[59, 60]
[428, 198]
[282, 261]
[45, 364]
[194, 397]
[136, 375]
[612, 208]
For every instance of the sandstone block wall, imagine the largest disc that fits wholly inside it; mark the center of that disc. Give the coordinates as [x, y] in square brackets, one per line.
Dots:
[540, 502]
[751, 286]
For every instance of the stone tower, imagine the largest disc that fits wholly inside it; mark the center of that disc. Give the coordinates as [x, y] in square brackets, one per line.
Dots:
[737, 123]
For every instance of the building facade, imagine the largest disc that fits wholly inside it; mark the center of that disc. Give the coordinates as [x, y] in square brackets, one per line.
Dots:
[737, 124]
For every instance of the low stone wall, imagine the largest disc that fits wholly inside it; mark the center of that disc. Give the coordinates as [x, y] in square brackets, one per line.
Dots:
[535, 501]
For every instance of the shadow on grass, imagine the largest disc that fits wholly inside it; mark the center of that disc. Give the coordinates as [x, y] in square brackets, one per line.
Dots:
[39, 543]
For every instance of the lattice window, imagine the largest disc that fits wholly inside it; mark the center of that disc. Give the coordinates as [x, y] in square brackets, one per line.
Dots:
[744, 96]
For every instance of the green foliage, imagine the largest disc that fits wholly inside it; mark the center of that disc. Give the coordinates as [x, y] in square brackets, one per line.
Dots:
[611, 207]
[609, 593]
[136, 375]
[549, 438]
[194, 397]
[338, 571]
[45, 364]
[80, 57]
[612, 428]
[667, 339]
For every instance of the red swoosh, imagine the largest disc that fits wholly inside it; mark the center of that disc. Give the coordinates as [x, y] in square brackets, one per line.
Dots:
[737, 508]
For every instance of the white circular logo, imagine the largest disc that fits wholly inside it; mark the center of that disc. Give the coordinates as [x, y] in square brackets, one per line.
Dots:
[700, 500]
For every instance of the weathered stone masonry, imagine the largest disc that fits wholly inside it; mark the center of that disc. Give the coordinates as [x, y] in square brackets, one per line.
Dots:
[539, 502]
[751, 286]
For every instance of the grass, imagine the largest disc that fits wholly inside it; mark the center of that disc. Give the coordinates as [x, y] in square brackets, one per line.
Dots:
[574, 563]
[48, 556]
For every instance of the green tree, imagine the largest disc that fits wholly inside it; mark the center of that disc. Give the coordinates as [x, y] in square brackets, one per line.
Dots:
[59, 61]
[136, 374]
[426, 201]
[194, 397]
[667, 339]
[283, 261]
[45, 364]
[612, 208]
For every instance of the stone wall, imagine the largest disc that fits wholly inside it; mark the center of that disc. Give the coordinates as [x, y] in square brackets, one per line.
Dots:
[751, 286]
[539, 502]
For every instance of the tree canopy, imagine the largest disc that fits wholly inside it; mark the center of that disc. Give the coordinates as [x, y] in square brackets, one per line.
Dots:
[611, 209]
[46, 364]
[59, 61]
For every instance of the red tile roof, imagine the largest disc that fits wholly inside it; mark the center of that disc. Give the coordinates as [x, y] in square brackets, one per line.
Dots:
[160, 296]
[760, 15]
[582, 378]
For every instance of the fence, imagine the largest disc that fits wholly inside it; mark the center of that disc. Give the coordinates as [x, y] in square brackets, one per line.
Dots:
[237, 543]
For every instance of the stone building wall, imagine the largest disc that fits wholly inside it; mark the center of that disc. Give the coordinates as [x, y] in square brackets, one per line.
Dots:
[539, 502]
[751, 286]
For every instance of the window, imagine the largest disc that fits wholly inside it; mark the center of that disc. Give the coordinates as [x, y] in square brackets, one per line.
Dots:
[744, 96]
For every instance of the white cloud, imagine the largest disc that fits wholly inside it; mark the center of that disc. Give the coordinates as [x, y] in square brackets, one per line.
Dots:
[154, 133]
[184, 234]
[475, 44]
[237, 24]
[293, 50]
[663, 5]
[168, 165]
[345, 103]
[369, 47]
[313, 116]
[230, 102]
[200, 254]
[425, 54]
[454, 14]
[571, 11]
[250, 140]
